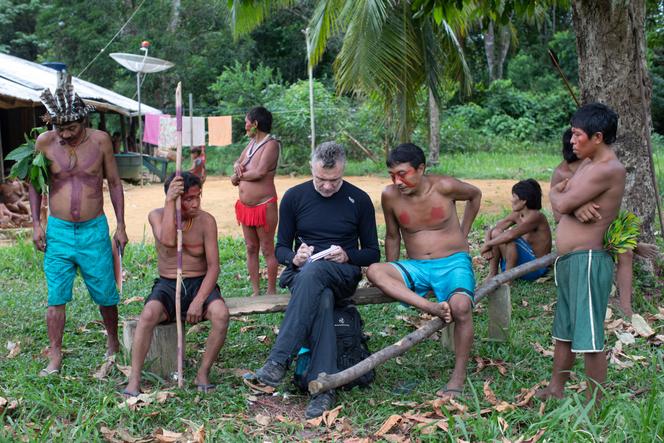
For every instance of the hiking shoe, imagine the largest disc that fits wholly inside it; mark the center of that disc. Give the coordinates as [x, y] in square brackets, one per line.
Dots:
[320, 403]
[271, 373]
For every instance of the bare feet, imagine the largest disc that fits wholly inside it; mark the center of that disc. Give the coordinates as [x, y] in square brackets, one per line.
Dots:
[443, 311]
[202, 379]
[548, 392]
[448, 392]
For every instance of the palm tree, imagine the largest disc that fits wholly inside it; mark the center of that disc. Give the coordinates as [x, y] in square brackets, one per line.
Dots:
[389, 51]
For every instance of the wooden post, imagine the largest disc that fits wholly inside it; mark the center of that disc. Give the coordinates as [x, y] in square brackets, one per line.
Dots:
[447, 337]
[160, 358]
[500, 313]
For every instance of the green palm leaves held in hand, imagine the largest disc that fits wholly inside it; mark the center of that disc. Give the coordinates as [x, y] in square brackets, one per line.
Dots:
[622, 234]
[30, 165]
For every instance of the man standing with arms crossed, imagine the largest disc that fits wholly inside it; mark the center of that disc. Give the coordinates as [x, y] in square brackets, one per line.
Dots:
[584, 270]
[421, 209]
[77, 232]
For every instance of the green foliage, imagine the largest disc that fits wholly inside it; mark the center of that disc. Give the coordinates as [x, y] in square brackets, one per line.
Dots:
[31, 165]
[291, 122]
[17, 26]
[623, 233]
[241, 87]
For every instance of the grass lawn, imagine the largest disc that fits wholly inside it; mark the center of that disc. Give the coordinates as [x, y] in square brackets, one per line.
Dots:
[75, 406]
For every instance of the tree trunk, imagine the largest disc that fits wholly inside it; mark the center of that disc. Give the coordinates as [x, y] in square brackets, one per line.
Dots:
[503, 47]
[495, 49]
[611, 48]
[489, 41]
[175, 17]
[434, 130]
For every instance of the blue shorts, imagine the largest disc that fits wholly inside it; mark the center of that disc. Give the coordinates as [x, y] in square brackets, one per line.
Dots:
[444, 276]
[79, 245]
[525, 254]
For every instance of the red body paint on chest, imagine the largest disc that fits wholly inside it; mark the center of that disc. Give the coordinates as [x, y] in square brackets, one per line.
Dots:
[404, 218]
[437, 213]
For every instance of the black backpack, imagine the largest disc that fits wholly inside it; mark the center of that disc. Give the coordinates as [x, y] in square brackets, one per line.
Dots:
[351, 348]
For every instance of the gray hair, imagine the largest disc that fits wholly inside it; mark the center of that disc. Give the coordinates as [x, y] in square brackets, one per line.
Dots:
[329, 154]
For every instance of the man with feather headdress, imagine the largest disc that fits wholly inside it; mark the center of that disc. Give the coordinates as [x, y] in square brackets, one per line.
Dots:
[76, 238]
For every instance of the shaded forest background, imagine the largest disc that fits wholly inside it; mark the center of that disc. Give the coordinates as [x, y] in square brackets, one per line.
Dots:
[517, 100]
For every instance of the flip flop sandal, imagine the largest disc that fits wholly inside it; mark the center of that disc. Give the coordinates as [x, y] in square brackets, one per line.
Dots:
[46, 372]
[205, 388]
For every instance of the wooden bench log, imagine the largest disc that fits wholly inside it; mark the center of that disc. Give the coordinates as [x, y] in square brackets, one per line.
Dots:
[500, 313]
[162, 358]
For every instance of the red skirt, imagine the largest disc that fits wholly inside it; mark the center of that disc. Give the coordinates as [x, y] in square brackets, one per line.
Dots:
[253, 215]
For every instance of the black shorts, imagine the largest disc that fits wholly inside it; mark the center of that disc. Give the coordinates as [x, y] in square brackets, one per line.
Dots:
[163, 291]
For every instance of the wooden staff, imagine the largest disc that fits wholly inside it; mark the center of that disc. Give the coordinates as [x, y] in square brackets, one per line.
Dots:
[325, 382]
[556, 64]
[178, 222]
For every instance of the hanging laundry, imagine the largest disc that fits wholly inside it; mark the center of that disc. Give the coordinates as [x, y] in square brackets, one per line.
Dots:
[220, 131]
[151, 129]
[198, 131]
[167, 130]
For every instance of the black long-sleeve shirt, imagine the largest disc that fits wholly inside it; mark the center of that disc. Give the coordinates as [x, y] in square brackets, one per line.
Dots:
[346, 219]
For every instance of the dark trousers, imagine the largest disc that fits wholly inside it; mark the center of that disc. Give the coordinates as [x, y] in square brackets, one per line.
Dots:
[315, 289]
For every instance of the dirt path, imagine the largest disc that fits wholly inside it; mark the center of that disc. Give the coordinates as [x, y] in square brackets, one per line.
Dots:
[219, 198]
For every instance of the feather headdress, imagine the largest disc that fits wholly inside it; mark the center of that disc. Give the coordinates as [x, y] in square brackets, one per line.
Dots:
[65, 106]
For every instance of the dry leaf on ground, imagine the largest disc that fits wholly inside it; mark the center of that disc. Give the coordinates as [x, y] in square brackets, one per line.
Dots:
[258, 388]
[263, 420]
[329, 417]
[134, 300]
[545, 352]
[392, 421]
[14, 348]
[488, 393]
[165, 436]
[105, 368]
[641, 326]
[626, 338]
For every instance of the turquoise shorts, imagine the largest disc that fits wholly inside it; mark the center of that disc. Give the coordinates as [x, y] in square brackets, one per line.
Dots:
[79, 245]
[444, 276]
[525, 254]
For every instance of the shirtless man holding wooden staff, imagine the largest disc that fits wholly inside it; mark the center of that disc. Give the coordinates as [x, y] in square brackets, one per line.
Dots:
[421, 209]
[256, 209]
[77, 233]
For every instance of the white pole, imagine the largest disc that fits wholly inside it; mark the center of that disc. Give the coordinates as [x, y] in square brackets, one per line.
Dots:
[191, 120]
[311, 90]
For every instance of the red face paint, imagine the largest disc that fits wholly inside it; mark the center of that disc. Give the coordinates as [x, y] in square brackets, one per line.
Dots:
[403, 177]
[404, 218]
[437, 213]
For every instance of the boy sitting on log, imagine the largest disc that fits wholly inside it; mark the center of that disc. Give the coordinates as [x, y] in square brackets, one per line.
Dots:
[522, 236]
[421, 209]
[584, 270]
[201, 298]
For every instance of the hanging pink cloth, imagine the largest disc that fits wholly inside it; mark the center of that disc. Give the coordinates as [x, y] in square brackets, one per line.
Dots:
[151, 129]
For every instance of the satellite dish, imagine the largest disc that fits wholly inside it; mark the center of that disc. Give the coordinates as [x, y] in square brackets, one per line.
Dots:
[141, 63]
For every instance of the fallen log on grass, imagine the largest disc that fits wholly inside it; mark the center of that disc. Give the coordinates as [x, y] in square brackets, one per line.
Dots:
[325, 382]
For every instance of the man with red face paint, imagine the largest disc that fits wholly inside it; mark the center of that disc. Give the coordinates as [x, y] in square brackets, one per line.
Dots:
[421, 209]
[201, 297]
[77, 234]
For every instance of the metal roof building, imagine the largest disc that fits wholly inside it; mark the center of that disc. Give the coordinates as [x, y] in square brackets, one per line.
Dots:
[21, 83]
